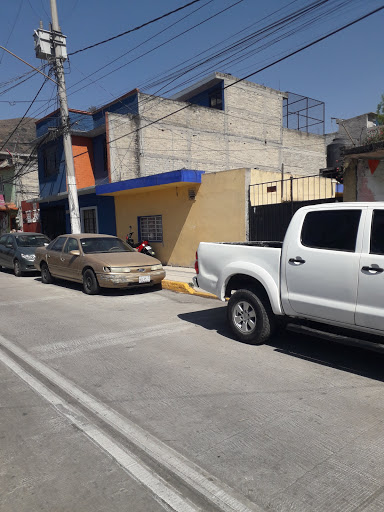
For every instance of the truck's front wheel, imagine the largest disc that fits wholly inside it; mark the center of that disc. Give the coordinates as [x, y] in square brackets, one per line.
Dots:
[250, 317]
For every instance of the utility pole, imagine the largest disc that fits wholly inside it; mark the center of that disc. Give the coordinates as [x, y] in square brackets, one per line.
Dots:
[58, 54]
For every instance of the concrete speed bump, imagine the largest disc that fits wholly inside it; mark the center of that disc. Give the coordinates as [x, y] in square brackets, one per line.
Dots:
[178, 287]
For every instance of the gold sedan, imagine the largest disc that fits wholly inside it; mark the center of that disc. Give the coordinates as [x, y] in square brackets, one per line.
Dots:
[97, 261]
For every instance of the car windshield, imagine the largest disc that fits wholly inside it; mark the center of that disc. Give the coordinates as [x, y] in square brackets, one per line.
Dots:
[107, 244]
[32, 241]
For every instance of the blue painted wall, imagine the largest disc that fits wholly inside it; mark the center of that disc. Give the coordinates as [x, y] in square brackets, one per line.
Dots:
[78, 120]
[52, 185]
[100, 169]
[86, 122]
[203, 97]
[105, 211]
[127, 105]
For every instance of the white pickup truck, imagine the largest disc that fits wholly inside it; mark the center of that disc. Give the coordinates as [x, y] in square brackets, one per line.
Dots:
[328, 273]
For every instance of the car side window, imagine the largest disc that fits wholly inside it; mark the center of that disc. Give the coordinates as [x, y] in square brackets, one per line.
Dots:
[71, 245]
[334, 230]
[377, 232]
[2, 239]
[58, 244]
[9, 242]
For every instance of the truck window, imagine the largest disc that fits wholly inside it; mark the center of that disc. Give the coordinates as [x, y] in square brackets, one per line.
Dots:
[333, 230]
[377, 232]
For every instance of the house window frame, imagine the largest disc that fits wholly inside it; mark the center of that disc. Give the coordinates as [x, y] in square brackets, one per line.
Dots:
[216, 99]
[50, 150]
[157, 219]
[87, 208]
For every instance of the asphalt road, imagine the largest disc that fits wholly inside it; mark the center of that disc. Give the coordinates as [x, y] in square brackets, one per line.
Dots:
[142, 401]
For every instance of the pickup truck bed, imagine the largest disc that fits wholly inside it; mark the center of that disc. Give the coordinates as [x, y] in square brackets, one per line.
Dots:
[329, 270]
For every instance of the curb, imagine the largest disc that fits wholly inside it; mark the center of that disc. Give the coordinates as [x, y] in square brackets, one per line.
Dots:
[178, 287]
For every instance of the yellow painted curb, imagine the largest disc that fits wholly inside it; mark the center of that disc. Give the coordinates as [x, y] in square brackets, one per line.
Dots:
[176, 286]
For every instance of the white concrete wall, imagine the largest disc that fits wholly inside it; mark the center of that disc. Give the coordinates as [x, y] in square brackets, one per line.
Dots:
[249, 133]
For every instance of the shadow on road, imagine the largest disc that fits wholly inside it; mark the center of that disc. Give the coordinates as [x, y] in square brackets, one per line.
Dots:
[342, 357]
[114, 292]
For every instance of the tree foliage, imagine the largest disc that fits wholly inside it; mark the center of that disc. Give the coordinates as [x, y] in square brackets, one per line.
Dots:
[380, 110]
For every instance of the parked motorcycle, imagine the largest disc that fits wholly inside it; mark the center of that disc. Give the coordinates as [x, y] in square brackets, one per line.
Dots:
[143, 246]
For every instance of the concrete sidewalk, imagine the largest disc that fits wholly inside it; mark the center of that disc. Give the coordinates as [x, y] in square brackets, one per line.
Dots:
[179, 279]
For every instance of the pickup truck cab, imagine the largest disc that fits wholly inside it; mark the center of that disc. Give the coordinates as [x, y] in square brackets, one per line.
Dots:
[329, 269]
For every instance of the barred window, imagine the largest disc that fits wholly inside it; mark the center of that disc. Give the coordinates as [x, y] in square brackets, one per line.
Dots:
[89, 220]
[151, 228]
[51, 162]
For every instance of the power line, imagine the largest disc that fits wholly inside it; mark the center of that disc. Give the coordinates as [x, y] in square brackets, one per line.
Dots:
[244, 78]
[138, 46]
[21, 120]
[136, 28]
[261, 69]
[158, 46]
[311, 44]
[13, 27]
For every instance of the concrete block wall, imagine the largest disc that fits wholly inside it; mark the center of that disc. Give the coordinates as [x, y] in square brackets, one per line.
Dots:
[303, 153]
[249, 133]
[123, 154]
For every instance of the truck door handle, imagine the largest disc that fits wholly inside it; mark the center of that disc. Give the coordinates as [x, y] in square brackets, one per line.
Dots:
[296, 260]
[373, 269]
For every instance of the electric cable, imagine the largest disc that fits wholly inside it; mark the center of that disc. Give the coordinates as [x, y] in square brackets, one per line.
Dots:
[316, 41]
[12, 28]
[160, 45]
[136, 28]
[141, 44]
[21, 120]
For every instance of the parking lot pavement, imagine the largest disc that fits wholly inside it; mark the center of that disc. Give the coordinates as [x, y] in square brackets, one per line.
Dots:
[291, 425]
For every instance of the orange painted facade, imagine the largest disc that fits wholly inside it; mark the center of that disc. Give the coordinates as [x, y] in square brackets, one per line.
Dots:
[83, 159]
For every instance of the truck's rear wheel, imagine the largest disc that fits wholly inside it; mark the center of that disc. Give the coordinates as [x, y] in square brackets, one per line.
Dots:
[250, 317]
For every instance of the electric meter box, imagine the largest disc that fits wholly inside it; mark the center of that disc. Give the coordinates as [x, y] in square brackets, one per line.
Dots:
[44, 45]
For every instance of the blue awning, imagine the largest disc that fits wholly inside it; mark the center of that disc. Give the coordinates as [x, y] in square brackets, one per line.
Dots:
[182, 176]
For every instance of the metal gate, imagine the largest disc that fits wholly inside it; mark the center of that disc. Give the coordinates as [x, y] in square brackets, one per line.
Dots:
[273, 204]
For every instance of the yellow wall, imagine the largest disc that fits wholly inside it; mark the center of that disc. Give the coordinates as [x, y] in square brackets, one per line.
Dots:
[304, 188]
[218, 214]
[350, 181]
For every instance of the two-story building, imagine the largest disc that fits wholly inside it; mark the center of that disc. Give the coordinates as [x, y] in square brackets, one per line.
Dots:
[18, 181]
[177, 170]
[88, 130]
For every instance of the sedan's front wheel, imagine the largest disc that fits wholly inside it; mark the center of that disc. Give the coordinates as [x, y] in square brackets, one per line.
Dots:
[90, 284]
[17, 268]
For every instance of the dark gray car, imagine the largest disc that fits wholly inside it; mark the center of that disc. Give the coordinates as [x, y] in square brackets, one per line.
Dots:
[17, 251]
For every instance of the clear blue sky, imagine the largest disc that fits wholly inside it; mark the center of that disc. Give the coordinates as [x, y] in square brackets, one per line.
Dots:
[346, 71]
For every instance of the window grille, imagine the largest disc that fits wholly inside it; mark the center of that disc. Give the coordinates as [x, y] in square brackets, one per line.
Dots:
[151, 228]
[51, 164]
[89, 220]
[216, 99]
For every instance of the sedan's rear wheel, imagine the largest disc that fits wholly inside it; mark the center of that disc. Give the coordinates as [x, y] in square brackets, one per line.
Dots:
[46, 276]
[17, 268]
[90, 284]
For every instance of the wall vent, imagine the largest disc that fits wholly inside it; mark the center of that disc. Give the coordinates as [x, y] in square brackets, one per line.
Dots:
[192, 194]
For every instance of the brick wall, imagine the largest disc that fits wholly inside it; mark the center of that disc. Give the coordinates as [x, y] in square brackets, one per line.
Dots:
[83, 159]
[249, 133]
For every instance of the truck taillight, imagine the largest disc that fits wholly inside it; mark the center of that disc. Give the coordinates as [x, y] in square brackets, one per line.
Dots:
[197, 264]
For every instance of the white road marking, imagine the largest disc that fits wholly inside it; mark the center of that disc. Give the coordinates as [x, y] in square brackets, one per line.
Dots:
[216, 492]
[70, 347]
[163, 492]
